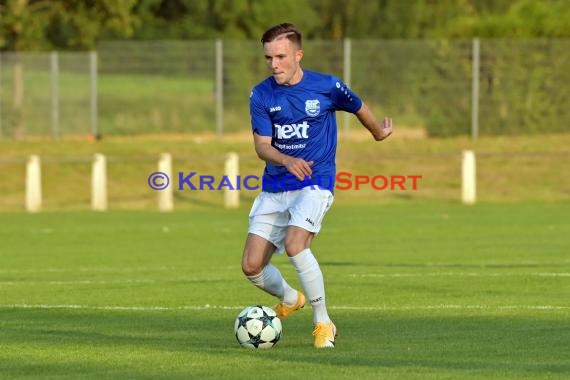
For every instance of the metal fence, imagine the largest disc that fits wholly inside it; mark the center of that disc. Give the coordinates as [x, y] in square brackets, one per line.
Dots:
[450, 87]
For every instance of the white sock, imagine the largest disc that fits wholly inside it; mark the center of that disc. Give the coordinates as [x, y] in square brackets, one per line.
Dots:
[312, 280]
[271, 281]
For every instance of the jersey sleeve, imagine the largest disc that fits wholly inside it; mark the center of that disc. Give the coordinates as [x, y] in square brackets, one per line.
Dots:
[260, 121]
[343, 98]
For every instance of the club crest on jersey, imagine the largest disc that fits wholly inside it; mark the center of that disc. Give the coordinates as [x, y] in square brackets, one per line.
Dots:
[312, 107]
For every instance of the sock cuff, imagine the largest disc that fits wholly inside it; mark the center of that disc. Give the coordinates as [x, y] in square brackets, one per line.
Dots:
[257, 279]
[304, 260]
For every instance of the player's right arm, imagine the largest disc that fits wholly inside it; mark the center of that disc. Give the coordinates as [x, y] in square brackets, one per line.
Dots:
[267, 152]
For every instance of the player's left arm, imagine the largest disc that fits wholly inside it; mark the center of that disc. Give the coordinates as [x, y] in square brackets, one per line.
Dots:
[380, 131]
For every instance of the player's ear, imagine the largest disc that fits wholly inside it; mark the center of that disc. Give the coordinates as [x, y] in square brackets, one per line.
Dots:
[299, 55]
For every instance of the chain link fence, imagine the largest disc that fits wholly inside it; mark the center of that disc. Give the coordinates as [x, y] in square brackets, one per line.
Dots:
[448, 87]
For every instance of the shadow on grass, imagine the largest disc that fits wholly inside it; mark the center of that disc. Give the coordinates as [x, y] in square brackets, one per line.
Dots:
[166, 344]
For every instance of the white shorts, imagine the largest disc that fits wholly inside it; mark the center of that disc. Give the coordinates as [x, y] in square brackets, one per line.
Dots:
[272, 213]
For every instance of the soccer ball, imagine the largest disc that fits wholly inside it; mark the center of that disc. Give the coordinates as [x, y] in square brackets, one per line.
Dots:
[257, 327]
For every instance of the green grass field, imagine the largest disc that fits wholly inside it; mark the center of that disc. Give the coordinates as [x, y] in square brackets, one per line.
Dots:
[418, 290]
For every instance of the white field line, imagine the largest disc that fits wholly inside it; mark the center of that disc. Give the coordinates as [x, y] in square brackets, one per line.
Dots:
[354, 275]
[91, 269]
[173, 269]
[111, 269]
[463, 274]
[236, 267]
[78, 282]
[227, 307]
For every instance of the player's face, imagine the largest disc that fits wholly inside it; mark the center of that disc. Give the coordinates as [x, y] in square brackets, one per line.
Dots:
[283, 58]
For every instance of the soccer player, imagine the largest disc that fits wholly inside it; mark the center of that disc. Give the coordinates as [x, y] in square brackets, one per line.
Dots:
[295, 133]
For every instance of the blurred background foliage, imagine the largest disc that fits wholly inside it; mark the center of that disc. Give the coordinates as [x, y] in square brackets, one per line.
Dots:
[77, 25]
[410, 58]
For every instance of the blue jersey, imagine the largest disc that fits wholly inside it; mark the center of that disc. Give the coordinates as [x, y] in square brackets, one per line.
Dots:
[301, 121]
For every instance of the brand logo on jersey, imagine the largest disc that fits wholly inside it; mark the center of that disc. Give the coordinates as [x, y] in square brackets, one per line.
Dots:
[275, 109]
[312, 107]
[288, 131]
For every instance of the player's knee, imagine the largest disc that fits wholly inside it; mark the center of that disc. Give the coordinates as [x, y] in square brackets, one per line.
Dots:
[251, 267]
[294, 246]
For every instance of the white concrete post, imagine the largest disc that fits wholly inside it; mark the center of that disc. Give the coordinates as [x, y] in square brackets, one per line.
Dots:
[33, 184]
[468, 174]
[231, 170]
[99, 183]
[165, 197]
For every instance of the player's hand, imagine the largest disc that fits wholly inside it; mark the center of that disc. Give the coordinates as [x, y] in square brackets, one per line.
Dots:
[385, 128]
[299, 167]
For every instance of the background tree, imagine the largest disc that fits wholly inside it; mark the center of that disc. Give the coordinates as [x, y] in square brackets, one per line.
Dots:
[78, 25]
[58, 24]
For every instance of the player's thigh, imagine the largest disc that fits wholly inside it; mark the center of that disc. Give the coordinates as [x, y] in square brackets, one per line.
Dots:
[256, 254]
[269, 218]
[297, 240]
[309, 209]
